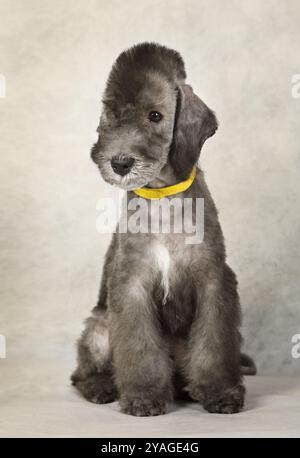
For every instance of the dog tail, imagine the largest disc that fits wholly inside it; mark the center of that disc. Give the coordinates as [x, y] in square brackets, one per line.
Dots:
[247, 365]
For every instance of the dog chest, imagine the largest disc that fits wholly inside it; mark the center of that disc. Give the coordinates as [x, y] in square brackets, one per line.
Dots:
[161, 261]
[174, 288]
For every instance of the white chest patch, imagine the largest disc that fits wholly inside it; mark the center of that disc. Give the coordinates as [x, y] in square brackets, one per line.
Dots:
[162, 259]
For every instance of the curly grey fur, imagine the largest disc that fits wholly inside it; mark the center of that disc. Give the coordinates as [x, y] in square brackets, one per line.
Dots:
[137, 347]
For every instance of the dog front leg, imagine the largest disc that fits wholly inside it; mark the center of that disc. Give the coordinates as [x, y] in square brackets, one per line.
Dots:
[213, 357]
[140, 356]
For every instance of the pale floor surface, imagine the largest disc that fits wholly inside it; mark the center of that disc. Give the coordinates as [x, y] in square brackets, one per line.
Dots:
[39, 402]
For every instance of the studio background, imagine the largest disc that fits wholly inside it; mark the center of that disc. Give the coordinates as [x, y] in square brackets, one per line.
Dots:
[240, 58]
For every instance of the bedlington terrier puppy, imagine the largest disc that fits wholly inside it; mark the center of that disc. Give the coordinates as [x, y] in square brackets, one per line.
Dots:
[167, 321]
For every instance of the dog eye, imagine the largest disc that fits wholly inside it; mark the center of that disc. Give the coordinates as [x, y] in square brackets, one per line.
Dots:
[155, 116]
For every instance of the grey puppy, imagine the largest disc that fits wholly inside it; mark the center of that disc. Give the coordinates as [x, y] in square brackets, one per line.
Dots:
[167, 320]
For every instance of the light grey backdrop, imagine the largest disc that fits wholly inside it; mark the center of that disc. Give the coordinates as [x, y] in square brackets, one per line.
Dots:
[240, 58]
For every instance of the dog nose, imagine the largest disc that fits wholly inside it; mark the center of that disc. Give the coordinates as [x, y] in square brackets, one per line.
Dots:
[122, 165]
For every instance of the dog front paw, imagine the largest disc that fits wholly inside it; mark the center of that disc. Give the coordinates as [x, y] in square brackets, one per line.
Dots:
[140, 407]
[229, 401]
[216, 399]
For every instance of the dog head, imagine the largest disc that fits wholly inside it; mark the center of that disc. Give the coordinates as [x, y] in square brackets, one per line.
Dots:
[150, 118]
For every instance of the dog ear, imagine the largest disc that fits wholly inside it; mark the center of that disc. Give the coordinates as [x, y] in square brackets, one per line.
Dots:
[194, 123]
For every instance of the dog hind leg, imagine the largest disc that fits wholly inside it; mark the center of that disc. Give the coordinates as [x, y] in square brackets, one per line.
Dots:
[94, 374]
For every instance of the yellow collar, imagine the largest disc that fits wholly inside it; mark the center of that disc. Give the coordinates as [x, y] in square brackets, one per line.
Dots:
[158, 193]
